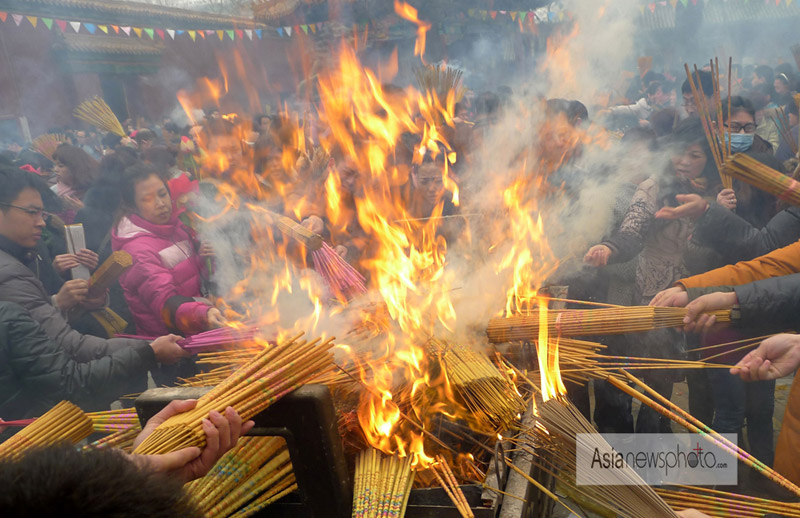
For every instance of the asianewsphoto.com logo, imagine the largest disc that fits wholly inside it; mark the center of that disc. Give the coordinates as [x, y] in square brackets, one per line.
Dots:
[606, 459]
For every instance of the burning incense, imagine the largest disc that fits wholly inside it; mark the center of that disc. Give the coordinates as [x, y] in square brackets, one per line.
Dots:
[382, 485]
[582, 322]
[490, 397]
[256, 385]
[763, 177]
[211, 339]
[257, 467]
[63, 422]
[668, 409]
[96, 112]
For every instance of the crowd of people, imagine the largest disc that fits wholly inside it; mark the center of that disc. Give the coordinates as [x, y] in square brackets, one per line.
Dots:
[678, 239]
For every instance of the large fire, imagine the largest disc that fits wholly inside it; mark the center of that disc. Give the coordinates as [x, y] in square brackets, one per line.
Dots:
[355, 175]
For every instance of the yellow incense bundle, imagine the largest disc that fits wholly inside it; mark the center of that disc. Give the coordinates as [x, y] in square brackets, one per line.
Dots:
[48, 143]
[256, 385]
[108, 272]
[490, 397]
[96, 112]
[245, 479]
[296, 231]
[760, 176]
[63, 422]
[382, 485]
[584, 322]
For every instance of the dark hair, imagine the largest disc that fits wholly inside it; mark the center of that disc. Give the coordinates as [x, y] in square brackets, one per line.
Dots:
[689, 132]
[783, 78]
[82, 166]
[136, 173]
[765, 72]
[653, 88]
[706, 82]
[172, 128]
[664, 121]
[37, 160]
[258, 118]
[576, 111]
[95, 483]
[651, 77]
[110, 141]
[14, 181]
[738, 104]
[144, 134]
[160, 156]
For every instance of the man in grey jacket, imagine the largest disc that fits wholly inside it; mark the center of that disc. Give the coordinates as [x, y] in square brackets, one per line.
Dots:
[21, 223]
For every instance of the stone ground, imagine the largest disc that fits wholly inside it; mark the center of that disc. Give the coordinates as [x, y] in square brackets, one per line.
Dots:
[750, 482]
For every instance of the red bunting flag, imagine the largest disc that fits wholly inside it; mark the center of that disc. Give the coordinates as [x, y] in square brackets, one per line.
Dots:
[3, 16]
[160, 33]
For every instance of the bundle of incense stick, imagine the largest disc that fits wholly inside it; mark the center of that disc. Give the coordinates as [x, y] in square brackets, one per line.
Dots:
[212, 339]
[441, 79]
[114, 420]
[448, 482]
[255, 473]
[760, 176]
[256, 385]
[712, 122]
[491, 398]
[96, 112]
[583, 322]
[48, 143]
[121, 440]
[344, 280]
[785, 129]
[102, 278]
[669, 409]
[296, 231]
[63, 422]
[720, 503]
[382, 485]
[621, 491]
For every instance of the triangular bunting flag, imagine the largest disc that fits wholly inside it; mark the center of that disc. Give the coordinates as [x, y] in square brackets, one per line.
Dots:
[521, 15]
[239, 34]
[48, 22]
[313, 28]
[202, 34]
[258, 33]
[3, 16]
[179, 32]
[126, 30]
[471, 12]
[137, 31]
[62, 24]
[296, 29]
[561, 14]
[116, 28]
[484, 14]
[192, 35]
[280, 32]
[249, 33]
[149, 32]
[288, 31]
[76, 26]
[694, 2]
[230, 34]
[641, 9]
[663, 3]
[17, 18]
[92, 28]
[103, 28]
[221, 34]
[493, 14]
[652, 7]
[673, 3]
[209, 32]
[171, 33]
[160, 33]
[777, 2]
[513, 15]
[305, 28]
[34, 20]
[685, 3]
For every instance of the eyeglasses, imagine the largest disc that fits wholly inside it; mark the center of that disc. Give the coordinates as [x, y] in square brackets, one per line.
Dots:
[34, 213]
[748, 128]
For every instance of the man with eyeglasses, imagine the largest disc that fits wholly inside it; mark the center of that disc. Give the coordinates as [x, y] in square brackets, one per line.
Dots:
[21, 224]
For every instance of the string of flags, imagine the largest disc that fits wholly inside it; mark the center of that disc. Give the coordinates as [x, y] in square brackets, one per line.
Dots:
[685, 3]
[80, 27]
[536, 16]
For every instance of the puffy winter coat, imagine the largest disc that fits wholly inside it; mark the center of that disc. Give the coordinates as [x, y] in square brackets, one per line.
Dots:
[36, 373]
[163, 285]
[737, 240]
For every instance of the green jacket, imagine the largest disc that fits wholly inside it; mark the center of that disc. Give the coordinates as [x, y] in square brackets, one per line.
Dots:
[36, 373]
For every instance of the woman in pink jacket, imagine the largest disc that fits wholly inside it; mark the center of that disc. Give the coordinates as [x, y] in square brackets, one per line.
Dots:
[162, 287]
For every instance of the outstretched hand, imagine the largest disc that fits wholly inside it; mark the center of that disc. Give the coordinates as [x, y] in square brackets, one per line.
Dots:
[222, 434]
[776, 357]
[691, 206]
[697, 318]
